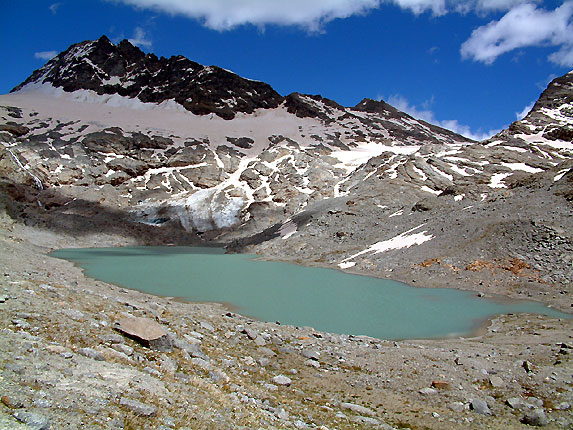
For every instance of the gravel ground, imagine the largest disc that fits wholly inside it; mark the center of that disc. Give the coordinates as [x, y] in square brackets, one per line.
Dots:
[64, 366]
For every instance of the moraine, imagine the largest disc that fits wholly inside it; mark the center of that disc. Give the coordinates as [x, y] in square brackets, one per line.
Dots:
[325, 299]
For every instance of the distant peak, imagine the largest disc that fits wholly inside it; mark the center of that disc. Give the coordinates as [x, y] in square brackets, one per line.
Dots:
[375, 106]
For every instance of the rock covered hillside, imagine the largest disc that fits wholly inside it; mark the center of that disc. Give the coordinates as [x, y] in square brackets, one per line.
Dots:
[107, 138]
[171, 141]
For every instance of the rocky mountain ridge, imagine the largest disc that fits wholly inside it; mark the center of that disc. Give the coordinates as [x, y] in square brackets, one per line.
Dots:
[125, 70]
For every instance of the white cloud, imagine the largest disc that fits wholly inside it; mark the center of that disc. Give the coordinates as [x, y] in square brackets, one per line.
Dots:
[495, 5]
[54, 7]
[524, 112]
[442, 7]
[437, 7]
[227, 14]
[524, 26]
[45, 55]
[310, 14]
[401, 103]
[140, 38]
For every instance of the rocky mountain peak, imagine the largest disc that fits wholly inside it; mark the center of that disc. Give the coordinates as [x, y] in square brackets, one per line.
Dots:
[124, 69]
[550, 117]
[375, 106]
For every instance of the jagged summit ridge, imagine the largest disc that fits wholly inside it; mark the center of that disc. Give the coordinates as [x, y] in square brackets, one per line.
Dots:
[125, 70]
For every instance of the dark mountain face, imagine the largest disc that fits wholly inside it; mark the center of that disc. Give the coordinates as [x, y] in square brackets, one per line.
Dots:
[124, 69]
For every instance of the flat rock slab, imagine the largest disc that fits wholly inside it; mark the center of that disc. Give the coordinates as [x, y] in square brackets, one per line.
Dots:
[145, 331]
[358, 409]
[33, 421]
[138, 408]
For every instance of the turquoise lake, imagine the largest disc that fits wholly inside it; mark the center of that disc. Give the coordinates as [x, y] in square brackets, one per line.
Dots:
[328, 300]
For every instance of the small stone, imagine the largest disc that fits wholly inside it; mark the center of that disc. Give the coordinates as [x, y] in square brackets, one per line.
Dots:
[457, 406]
[300, 424]
[32, 420]
[74, 314]
[311, 354]
[152, 371]
[56, 349]
[111, 338]
[514, 403]
[281, 414]
[259, 341]
[365, 420]
[251, 334]
[479, 406]
[91, 353]
[427, 391]
[168, 366]
[563, 406]
[527, 366]
[217, 375]
[11, 403]
[192, 339]
[357, 408]
[125, 349]
[203, 364]
[194, 350]
[138, 408]
[145, 331]
[282, 380]
[441, 385]
[267, 351]
[496, 381]
[536, 418]
[263, 361]
[207, 326]
[312, 363]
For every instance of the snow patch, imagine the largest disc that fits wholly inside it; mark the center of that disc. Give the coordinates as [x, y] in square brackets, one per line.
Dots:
[497, 180]
[560, 174]
[404, 240]
[429, 190]
[522, 166]
[397, 213]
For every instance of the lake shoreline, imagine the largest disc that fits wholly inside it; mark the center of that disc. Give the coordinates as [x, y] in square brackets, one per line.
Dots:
[92, 257]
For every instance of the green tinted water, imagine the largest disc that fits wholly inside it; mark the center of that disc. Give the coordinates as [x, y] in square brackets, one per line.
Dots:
[328, 300]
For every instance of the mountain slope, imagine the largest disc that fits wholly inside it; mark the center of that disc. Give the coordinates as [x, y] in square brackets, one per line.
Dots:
[168, 146]
[104, 115]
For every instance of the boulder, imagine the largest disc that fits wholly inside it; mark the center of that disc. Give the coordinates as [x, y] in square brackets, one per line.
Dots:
[535, 418]
[480, 406]
[282, 380]
[146, 332]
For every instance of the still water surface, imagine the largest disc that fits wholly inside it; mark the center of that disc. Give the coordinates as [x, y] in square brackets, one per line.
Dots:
[328, 300]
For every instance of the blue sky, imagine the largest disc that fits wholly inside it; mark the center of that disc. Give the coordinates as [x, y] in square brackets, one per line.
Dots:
[470, 65]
